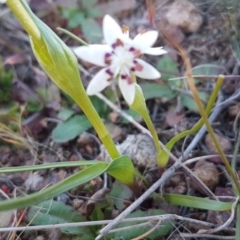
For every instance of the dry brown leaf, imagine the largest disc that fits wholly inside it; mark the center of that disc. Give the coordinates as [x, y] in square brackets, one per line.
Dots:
[173, 118]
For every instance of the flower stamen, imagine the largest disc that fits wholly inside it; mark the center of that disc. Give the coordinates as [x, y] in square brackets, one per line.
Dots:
[117, 44]
[125, 29]
[108, 58]
[120, 58]
[137, 66]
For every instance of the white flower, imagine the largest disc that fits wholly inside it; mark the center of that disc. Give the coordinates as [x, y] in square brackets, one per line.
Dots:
[119, 58]
[3, 1]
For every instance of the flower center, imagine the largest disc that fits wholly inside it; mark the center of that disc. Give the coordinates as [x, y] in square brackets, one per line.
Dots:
[122, 58]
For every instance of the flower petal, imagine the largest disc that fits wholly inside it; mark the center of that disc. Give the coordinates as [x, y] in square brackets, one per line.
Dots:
[111, 30]
[127, 89]
[100, 81]
[145, 40]
[155, 51]
[2, 1]
[146, 71]
[94, 53]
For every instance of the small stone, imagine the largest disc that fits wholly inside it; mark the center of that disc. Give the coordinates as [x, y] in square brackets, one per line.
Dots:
[233, 110]
[140, 148]
[207, 172]
[114, 117]
[185, 15]
[223, 141]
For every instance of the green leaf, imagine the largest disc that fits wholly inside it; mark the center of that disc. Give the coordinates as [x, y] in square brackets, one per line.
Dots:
[122, 169]
[71, 182]
[48, 166]
[71, 128]
[236, 49]
[34, 106]
[156, 90]
[120, 192]
[168, 68]
[206, 69]
[190, 103]
[135, 115]
[94, 13]
[97, 215]
[65, 114]
[91, 30]
[101, 107]
[87, 4]
[161, 230]
[74, 16]
[54, 212]
[197, 202]
[11, 111]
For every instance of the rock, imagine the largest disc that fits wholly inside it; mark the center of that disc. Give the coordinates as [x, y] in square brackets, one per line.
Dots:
[223, 141]
[207, 172]
[140, 148]
[185, 15]
[233, 110]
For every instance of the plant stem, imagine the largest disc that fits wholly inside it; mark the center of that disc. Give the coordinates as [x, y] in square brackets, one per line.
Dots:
[92, 115]
[30, 23]
[211, 132]
[204, 116]
[152, 130]
[18, 9]
[98, 125]
[72, 36]
[164, 155]
[237, 234]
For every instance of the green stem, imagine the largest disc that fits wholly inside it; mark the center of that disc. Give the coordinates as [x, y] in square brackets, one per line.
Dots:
[18, 9]
[152, 130]
[96, 121]
[164, 156]
[139, 105]
[237, 234]
[34, 28]
[235, 152]
[72, 36]
[211, 133]
[91, 113]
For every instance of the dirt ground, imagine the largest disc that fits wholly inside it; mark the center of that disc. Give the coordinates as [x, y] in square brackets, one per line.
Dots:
[33, 111]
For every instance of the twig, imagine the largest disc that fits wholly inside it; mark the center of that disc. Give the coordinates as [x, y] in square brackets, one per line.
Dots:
[230, 219]
[206, 76]
[168, 173]
[162, 218]
[192, 160]
[206, 236]
[201, 132]
[230, 99]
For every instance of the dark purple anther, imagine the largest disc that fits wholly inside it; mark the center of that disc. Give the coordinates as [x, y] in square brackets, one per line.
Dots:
[132, 49]
[117, 43]
[107, 58]
[109, 72]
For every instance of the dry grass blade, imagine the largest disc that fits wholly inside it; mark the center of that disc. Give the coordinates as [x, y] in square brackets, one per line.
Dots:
[193, 88]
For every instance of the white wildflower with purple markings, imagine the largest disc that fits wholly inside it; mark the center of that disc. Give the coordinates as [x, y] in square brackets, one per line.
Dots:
[119, 58]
